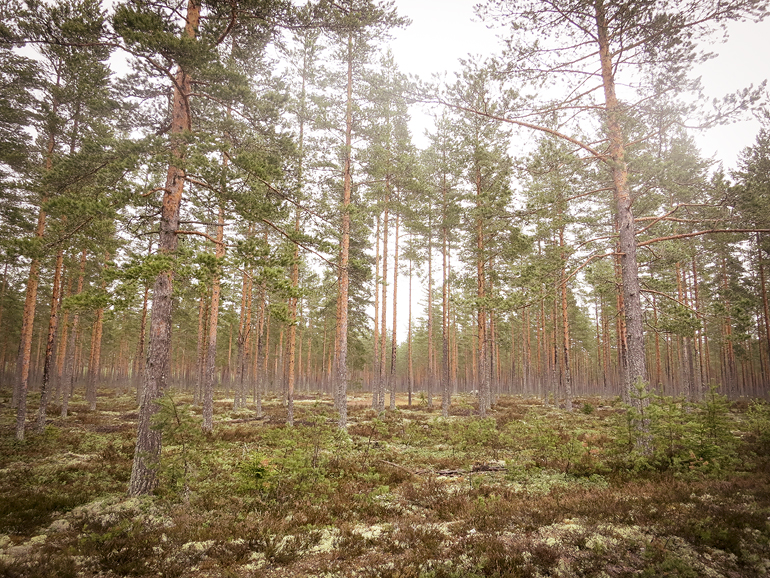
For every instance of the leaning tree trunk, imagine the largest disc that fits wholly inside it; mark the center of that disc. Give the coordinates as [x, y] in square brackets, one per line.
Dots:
[148, 439]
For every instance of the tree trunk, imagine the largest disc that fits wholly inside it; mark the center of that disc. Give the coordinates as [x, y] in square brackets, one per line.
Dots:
[53, 323]
[393, 341]
[565, 326]
[260, 358]
[765, 307]
[344, 280]
[140, 359]
[684, 345]
[200, 351]
[148, 440]
[383, 317]
[446, 394]
[637, 370]
[61, 348]
[431, 351]
[211, 350]
[25, 347]
[244, 332]
[69, 378]
[293, 301]
[95, 359]
[481, 319]
[376, 331]
[410, 367]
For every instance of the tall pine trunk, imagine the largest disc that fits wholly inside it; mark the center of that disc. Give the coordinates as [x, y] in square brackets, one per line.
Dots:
[148, 440]
[341, 384]
[95, 359]
[69, 372]
[636, 363]
[565, 326]
[211, 349]
[446, 391]
[376, 331]
[383, 317]
[53, 324]
[393, 341]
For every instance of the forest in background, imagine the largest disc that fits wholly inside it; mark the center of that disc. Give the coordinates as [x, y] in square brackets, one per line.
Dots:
[224, 195]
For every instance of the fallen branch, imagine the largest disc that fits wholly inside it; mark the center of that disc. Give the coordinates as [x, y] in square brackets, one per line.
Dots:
[410, 472]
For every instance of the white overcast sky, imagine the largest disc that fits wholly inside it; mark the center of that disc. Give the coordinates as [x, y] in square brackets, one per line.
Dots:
[442, 31]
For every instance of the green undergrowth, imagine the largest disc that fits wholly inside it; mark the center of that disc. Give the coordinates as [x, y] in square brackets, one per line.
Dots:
[529, 491]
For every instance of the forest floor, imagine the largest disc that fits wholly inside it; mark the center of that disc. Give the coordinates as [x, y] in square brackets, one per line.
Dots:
[529, 491]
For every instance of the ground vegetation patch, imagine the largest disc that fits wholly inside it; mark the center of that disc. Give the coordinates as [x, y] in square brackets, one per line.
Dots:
[531, 490]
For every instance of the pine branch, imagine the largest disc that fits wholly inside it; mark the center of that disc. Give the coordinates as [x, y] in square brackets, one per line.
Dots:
[289, 237]
[198, 233]
[699, 233]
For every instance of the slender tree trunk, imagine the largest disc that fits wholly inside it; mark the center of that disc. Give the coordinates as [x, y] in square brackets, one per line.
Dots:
[684, 349]
[446, 392]
[626, 230]
[95, 359]
[260, 359]
[5, 336]
[244, 328]
[565, 326]
[140, 358]
[410, 367]
[765, 306]
[211, 349]
[69, 379]
[21, 385]
[148, 443]
[293, 301]
[200, 352]
[53, 323]
[483, 381]
[622, 341]
[342, 346]
[431, 349]
[61, 347]
[393, 341]
[384, 329]
[25, 347]
[376, 331]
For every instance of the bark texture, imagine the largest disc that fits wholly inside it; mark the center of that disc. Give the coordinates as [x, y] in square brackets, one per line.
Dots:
[148, 440]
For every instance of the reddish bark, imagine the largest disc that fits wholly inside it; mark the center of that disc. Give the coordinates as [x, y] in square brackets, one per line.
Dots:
[148, 439]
